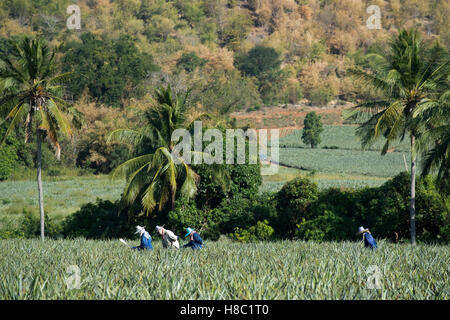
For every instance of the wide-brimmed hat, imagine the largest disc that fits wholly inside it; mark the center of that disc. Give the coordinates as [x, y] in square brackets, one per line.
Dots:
[139, 229]
[188, 231]
[158, 228]
[361, 230]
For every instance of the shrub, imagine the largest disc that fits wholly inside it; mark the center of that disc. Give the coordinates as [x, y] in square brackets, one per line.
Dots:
[100, 220]
[262, 231]
[8, 159]
[320, 96]
[30, 226]
[241, 211]
[293, 202]
[186, 214]
[335, 215]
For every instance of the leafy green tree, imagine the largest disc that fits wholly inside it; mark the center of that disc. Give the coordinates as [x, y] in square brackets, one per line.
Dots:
[312, 129]
[31, 94]
[407, 76]
[112, 70]
[258, 60]
[264, 63]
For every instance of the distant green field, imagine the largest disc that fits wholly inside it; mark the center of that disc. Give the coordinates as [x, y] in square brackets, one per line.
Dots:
[82, 269]
[272, 183]
[62, 196]
[339, 161]
[342, 137]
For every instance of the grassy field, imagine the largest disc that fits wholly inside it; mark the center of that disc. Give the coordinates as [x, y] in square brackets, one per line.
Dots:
[272, 183]
[367, 163]
[62, 196]
[32, 269]
[338, 161]
[342, 137]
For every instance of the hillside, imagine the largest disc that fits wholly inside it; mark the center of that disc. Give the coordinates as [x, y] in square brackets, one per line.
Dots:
[202, 45]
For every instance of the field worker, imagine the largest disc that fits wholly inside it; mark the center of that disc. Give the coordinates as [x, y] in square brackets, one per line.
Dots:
[369, 241]
[169, 239]
[196, 241]
[146, 239]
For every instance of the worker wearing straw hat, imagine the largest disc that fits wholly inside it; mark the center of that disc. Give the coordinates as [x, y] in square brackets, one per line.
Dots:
[196, 241]
[146, 239]
[369, 241]
[169, 239]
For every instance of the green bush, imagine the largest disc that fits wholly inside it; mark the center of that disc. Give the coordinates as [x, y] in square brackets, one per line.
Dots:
[30, 226]
[335, 215]
[186, 214]
[293, 202]
[262, 231]
[8, 160]
[320, 96]
[100, 220]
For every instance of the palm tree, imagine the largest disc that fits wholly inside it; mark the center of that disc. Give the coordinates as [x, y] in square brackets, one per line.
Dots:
[435, 139]
[30, 94]
[154, 177]
[407, 75]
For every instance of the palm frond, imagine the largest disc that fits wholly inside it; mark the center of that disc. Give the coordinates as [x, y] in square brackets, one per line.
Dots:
[125, 136]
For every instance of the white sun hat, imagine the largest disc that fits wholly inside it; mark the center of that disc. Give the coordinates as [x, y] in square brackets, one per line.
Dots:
[361, 230]
[139, 229]
[158, 228]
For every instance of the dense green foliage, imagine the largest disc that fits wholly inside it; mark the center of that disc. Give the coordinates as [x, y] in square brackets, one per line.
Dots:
[111, 69]
[298, 210]
[8, 163]
[258, 61]
[263, 63]
[312, 129]
[336, 214]
[190, 61]
[102, 219]
[262, 231]
[293, 201]
[34, 269]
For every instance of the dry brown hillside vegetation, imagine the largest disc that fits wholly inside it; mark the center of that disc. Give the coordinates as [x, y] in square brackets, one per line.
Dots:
[264, 62]
[316, 40]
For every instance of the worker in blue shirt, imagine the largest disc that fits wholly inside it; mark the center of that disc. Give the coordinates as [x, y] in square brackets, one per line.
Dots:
[369, 241]
[146, 239]
[196, 241]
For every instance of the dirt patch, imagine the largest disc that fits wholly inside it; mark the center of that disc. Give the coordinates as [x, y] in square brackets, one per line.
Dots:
[289, 117]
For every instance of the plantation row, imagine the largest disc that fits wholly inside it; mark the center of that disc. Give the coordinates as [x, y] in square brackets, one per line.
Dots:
[370, 163]
[338, 137]
[82, 269]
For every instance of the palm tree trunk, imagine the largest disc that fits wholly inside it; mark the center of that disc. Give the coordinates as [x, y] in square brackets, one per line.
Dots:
[39, 181]
[173, 199]
[412, 206]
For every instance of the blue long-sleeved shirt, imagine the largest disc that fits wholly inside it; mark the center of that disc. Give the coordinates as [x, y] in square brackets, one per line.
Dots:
[369, 241]
[195, 243]
[146, 242]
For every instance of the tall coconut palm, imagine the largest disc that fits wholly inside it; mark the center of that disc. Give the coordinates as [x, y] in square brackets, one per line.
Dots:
[154, 177]
[30, 94]
[406, 75]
